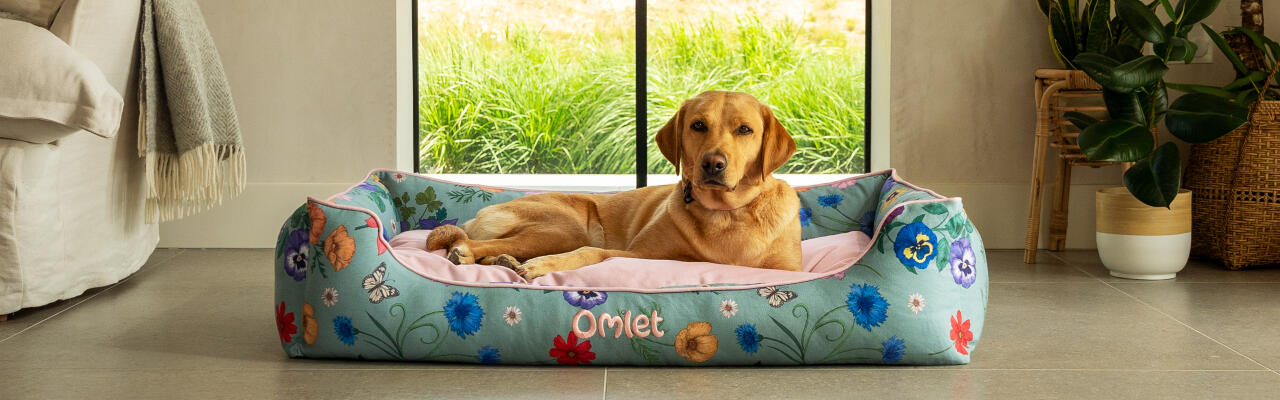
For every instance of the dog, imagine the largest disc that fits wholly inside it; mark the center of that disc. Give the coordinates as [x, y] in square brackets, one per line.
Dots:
[727, 209]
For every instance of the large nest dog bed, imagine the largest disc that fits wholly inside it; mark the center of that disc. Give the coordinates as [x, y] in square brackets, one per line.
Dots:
[892, 274]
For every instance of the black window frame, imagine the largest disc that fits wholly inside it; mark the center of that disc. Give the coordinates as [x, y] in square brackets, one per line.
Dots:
[642, 92]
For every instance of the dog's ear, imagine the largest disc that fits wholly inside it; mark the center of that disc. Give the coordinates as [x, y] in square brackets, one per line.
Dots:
[776, 145]
[669, 138]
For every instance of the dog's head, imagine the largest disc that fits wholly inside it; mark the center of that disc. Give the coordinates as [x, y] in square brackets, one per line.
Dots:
[725, 139]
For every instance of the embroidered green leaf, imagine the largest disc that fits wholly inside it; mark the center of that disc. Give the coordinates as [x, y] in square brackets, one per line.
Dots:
[944, 255]
[935, 208]
[918, 218]
[644, 351]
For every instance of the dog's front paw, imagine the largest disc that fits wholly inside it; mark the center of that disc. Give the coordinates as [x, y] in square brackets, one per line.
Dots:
[461, 255]
[534, 268]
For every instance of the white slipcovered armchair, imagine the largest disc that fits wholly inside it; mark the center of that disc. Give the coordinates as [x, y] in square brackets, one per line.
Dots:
[71, 201]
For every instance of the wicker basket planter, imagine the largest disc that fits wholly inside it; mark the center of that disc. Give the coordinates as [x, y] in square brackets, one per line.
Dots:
[1235, 182]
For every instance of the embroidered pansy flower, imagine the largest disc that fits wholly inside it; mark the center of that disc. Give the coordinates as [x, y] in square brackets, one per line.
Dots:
[867, 223]
[916, 245]
[585, 299]
[893, 196]
[830, 200]
[893, 349]
[888, 184]
[806, 215]
[297, 253]
[869, 308]
[962, 263]
[893, 215]
[464, 314]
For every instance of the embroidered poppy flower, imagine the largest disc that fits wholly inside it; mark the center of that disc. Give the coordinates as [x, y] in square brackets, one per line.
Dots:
[866, 304]
[748, 338]
[916, 245]
[585, 299]
[696, 343]
[806, 215]
[284, 324]
[963, 262]
[339, 247]
[297, 253]
[317, 222]
[960, 333]
[464, 314]
[571, 352]
[310, 328]
[893, 349]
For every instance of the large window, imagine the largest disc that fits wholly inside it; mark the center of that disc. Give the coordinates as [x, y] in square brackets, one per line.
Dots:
[550, 87]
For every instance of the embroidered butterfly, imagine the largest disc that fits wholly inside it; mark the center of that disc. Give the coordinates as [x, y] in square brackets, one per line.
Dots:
[776, 297]
[376, 284]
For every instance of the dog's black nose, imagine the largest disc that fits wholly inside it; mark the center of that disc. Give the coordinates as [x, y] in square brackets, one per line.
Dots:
[713, 164]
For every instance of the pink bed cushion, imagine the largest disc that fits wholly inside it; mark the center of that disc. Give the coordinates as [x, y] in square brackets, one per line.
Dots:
[822, 256]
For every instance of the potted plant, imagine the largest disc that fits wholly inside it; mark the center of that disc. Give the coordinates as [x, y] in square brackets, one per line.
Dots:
[1144, 230]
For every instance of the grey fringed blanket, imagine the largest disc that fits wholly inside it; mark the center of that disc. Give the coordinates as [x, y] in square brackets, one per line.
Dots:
[188, 131]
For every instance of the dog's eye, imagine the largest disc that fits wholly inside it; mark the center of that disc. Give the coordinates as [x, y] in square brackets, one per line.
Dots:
[698, 126]
[743, 130]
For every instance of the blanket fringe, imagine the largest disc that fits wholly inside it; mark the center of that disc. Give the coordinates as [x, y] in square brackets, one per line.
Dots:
[179, 185]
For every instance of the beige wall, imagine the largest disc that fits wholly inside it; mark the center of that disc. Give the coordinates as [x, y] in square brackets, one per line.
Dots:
[315, 85]
[320, 88]
[962, 110]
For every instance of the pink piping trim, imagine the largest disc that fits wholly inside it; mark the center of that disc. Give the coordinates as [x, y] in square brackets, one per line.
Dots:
[879, 226]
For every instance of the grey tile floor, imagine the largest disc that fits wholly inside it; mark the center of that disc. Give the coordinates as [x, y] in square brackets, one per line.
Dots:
[197, 324]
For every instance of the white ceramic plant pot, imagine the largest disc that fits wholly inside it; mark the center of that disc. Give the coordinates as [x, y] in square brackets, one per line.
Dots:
[1137, 241]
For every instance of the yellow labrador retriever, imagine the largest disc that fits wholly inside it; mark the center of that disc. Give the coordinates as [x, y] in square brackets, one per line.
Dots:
[727, 209]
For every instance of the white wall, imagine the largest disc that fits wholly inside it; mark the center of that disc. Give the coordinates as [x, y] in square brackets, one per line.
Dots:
[320, 100]
[963, 116]
[322, 91]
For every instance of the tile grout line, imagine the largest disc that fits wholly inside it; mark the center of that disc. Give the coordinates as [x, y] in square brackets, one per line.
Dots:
[1135, 298]
[604, 389]
[104, 290]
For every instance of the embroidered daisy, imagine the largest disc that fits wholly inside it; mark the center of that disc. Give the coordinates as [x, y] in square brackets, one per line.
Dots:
[512, 315]
[915, 303]
[329, 296]
[729, 308]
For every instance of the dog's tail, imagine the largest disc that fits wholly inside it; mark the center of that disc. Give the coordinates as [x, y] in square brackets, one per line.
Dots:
[444, 236]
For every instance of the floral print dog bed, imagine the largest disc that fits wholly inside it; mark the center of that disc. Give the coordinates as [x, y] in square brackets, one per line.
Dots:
[916, 295]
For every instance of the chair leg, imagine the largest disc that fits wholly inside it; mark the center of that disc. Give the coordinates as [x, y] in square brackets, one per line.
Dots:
[1061, 198]
[1033, 216]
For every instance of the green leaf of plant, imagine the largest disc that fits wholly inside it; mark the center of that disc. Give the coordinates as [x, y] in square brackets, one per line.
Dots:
[1177, 49]
[1116, 140]
[1204, 89]
[1190, 12]
[935, 208]
[1154, 180]
[1062, 36]
[1141, 20]
[1098, 38]
[1168, 9]
[1125, 106]
[1225, 48]
[1199, 118]
[1123, 53]
[1157, 104]
[1097, 66]
[1144, 71]
[1252, 80]
[1079, 119]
